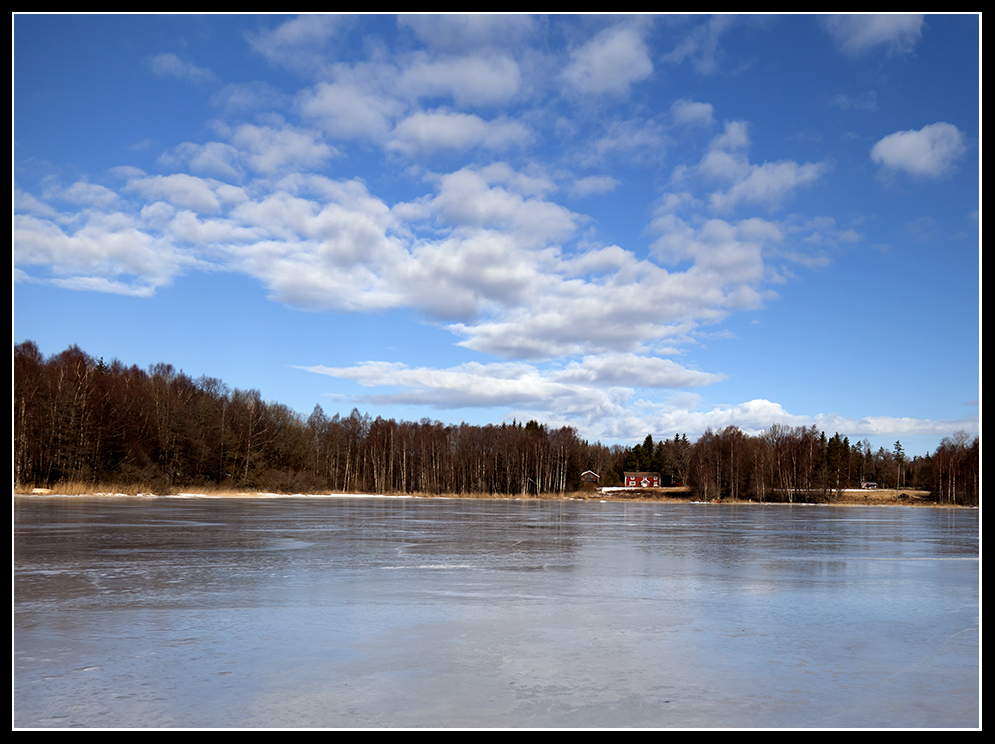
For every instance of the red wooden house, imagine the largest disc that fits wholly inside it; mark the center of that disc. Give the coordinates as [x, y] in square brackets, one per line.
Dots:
[642, 480]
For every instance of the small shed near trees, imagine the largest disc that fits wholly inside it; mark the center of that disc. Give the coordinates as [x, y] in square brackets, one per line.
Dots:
[642, 480]
[589, 476]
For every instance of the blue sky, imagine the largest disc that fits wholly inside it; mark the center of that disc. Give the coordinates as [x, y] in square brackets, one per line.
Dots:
[628, 224]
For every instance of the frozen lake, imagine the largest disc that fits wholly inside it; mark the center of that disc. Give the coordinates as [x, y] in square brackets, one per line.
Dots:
[375, 612]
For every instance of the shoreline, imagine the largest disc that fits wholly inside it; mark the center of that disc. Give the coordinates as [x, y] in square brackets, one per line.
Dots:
[849, 497]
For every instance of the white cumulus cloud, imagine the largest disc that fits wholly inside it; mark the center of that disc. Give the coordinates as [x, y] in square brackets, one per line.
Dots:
[610, 63]
[429, 131]
[929, 152]
[855, 35]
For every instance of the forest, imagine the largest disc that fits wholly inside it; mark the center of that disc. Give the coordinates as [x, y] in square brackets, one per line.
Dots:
[80, 420]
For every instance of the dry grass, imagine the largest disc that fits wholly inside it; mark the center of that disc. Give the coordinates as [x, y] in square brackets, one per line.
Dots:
[882, 496]
[85, 488]
[81, 488]
[851, 497]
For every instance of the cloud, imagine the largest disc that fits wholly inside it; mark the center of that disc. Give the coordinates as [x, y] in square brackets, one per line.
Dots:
[467, 81]
[634, 140]
[274, 150]
[266, 150]
[252, 96]
[169, 65]
[813, 234]
[929, 152]
[430, 131]
[633, 303]
[468, 385]
[592, 186]
[484, 252]
[592, 389]
[105, 286]
[25, 202]
[756, 416]
[866, 101]
[633, 370]
[599, 394]
[493, 198]
[469, 32]
[497, 269]
[215, 159]
[701, 44]
[599, 407]
[300, 44]
[767, 184]
[724, 254]
[753, 417]
[692, 113]
[610, 63]
[856, 35]
[88, 194]
[463, 277]
[351, 109]
[379, 103]
[183, 190]
[97, 255]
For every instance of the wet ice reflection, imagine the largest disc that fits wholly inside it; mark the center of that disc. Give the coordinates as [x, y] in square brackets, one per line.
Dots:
[403, 612]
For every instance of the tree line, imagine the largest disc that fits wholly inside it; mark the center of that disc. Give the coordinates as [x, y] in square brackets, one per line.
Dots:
[801, 464]
[79, 419]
